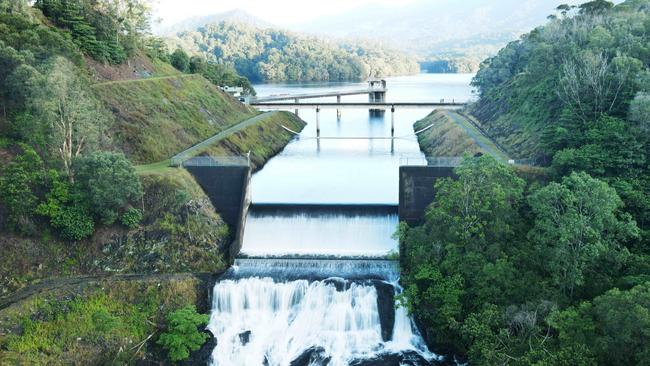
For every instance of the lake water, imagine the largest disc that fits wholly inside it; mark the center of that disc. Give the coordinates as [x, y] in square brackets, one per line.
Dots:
[357, 171]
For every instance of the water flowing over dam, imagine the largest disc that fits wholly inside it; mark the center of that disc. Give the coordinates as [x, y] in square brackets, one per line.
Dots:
[320, 230]
[315, 283]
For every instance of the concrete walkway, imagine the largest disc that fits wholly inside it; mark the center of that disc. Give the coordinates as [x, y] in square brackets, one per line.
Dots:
[483, 141]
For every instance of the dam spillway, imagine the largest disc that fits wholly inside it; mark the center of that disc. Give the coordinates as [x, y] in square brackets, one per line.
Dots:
[320, 230]
[315, 283]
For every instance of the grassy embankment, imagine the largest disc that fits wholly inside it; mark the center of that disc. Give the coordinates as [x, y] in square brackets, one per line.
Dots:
[157, 118]
[453, 134]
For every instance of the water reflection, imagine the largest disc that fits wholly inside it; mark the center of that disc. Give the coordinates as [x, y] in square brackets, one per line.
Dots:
[351, 170]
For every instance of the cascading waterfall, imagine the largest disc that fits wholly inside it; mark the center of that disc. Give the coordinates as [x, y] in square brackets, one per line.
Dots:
[258, 321]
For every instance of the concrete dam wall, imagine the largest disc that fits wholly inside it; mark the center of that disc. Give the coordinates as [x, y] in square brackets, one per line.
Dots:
[417, 191]
[229, 192]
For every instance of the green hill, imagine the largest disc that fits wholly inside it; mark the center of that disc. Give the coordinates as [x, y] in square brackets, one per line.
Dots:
[540, 94]
[268, 54]
[78, 111]
[158, 117]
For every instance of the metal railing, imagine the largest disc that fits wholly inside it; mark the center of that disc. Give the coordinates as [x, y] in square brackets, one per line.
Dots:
[217, 161]
[453, 161]
[439, 161]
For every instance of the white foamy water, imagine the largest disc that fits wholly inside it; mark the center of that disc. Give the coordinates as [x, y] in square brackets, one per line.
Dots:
[286, 319]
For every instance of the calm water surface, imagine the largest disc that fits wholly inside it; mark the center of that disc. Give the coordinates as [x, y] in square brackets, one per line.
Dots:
[357, 171]
[342, 172]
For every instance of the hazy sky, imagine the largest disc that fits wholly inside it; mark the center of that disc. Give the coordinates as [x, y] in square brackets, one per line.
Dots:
[280, 12]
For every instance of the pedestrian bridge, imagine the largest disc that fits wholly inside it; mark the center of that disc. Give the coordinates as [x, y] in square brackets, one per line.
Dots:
[359, 105]
[296, 97]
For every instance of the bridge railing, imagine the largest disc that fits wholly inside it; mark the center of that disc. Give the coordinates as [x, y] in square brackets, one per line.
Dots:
[437, 161]
[454, 161]
[215, 161]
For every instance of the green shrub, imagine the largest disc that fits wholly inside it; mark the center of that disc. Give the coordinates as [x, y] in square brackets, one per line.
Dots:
[66, 209]
[18, 183]
[108, 183]
[73, 222]
[131, 218]
[180, 60]
[182, 335]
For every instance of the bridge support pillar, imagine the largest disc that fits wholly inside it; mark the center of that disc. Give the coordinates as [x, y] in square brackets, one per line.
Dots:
[296, 101]
[338, 110]
[317, 121]
[392, 121]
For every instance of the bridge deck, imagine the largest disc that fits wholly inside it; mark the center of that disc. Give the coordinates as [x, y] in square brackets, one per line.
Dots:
[357, 105]
[274, 98]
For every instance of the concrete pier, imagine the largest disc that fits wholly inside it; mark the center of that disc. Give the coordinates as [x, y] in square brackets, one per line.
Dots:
[417, 190]
[338, 110]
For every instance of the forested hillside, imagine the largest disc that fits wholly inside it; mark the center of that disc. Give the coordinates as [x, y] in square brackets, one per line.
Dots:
[265, 54]
[541, 93]
[548, 266]
[85, 94]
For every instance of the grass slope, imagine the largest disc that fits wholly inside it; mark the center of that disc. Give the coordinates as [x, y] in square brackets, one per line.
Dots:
[453, 134]
[156, 118]
[263, 139]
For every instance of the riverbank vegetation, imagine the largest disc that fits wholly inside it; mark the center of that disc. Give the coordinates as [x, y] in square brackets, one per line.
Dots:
[101, 321]
[552, 271]
[266, 54]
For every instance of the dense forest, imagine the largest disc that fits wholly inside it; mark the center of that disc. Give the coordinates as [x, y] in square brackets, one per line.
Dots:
[548, 265]
[266, 54]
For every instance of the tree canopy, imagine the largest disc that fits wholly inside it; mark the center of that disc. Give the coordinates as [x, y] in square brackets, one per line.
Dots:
[553, 271]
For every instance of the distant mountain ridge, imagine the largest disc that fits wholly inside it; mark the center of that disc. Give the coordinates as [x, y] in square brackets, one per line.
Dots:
[193, 23]
[442, 29]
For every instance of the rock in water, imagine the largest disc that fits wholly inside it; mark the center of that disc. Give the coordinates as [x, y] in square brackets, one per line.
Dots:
[408, 358]
[386, 307]
[311, 357]
[245, 337]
